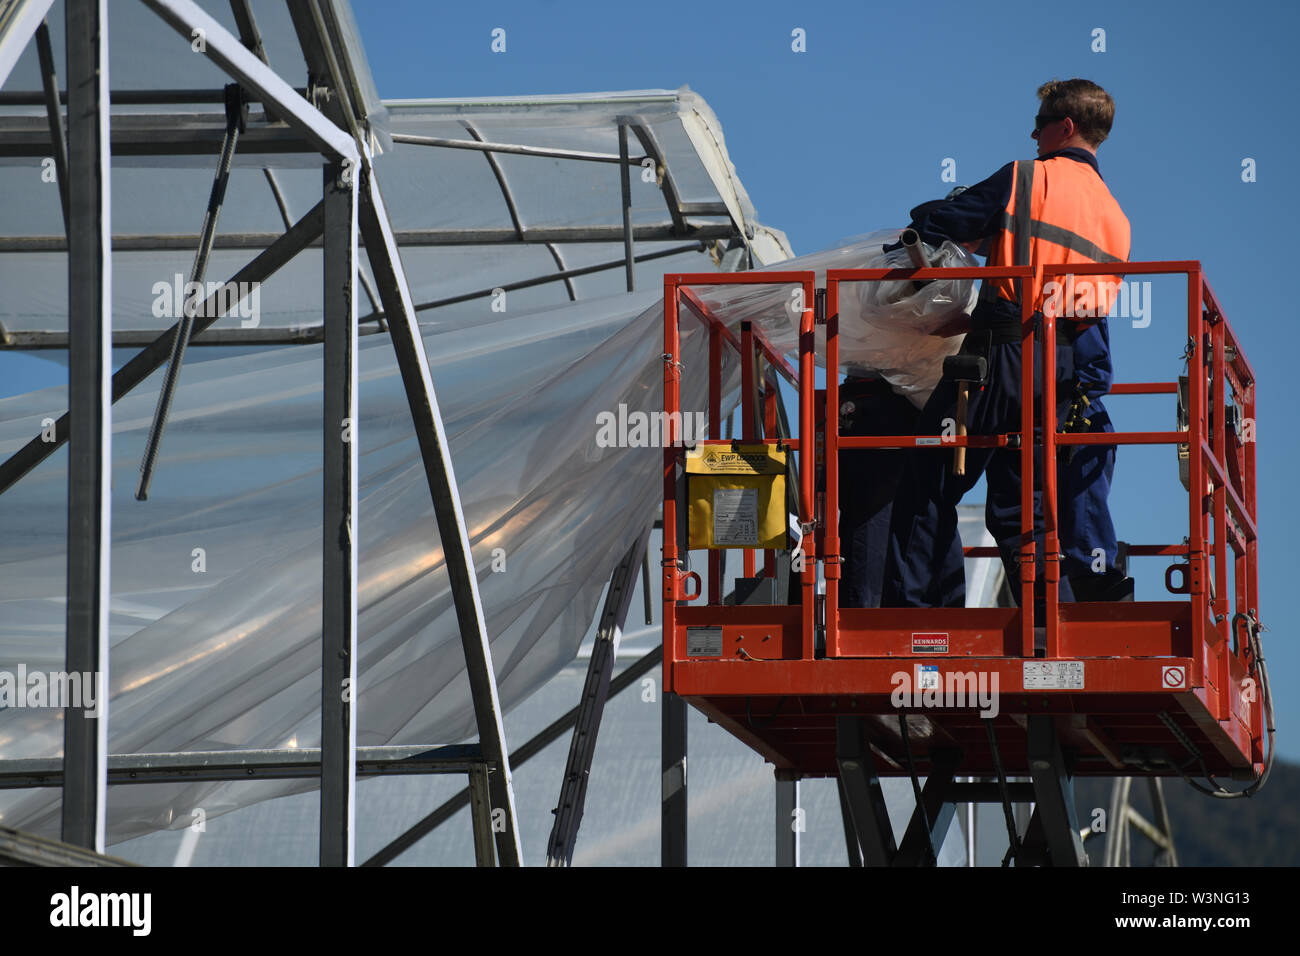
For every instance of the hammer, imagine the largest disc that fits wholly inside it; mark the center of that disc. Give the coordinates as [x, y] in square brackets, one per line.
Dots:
[965, 369]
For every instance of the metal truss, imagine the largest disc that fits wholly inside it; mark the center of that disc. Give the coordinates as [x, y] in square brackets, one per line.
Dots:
[324, 118]
[351, 204]
[1123, 819]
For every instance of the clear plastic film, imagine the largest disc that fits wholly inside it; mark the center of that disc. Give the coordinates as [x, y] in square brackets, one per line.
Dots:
[888, 327]
[216, 612]
[215, 616]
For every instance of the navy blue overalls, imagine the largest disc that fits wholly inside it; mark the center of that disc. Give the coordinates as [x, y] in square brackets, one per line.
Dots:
[1083, 505]
[869, 481]
[924, 542]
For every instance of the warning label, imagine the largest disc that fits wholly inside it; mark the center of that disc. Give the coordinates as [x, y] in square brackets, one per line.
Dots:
[1053, 675]
[712, 460]
[1173, 678]
[931, 643]
[927, 677]
[704, 642]
[735, 516]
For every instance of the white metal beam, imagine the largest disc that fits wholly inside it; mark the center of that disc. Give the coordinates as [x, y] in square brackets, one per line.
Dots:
[18, 24]
[386, 262]
[225, 49]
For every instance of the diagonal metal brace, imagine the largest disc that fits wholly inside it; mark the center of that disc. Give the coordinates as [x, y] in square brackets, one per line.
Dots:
[863, 793]
[386, 261]
[153, 356]
[236, 121]
[595, 691]
[933, 814]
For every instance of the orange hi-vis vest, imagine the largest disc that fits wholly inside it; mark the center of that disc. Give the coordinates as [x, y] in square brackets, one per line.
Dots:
[1060, 212]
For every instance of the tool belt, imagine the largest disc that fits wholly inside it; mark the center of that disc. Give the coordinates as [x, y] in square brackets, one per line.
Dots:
[992, 315]
[869, 406]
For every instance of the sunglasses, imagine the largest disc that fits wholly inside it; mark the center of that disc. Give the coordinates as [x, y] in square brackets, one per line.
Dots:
[1041, 120]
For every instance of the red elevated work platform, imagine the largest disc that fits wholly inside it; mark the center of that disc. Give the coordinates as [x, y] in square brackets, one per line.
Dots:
[1148, 688]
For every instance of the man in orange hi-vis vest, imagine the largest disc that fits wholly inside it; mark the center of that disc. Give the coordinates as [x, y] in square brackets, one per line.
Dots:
[1052, 210]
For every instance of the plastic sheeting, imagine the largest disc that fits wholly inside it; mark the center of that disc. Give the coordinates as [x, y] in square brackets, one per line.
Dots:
[887, 327]
[216, 579]
[229, 656]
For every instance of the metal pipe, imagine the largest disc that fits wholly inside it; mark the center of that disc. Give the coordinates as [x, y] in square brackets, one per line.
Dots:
[207, 765]
[58, 138]
[625, 184]
[131, 97]
[559, 261]
[405, 237]
[542, 280]
[911, 241]
[514, 148]
[971, 820]
[197, 272]
[90, 461]
[339, 690]
[138, 338]
[279, 196]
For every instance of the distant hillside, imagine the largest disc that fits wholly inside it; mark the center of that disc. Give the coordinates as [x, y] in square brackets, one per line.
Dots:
[1263, 830]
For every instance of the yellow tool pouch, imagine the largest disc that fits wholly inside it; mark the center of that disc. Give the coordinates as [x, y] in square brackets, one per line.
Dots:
[736, 496]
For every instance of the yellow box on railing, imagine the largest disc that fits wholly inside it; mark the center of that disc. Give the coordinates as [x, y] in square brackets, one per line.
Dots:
[736, 496]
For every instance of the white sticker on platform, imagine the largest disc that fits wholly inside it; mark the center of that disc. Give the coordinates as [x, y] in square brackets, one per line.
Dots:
[704, 642]
[927, 677]
[1173, 678]
[1053, 675]
[735, 516]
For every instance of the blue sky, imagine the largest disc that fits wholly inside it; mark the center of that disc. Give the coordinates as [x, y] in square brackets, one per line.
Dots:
[847, 136]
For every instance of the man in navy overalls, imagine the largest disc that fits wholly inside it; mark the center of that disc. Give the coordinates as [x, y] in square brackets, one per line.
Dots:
[1026, 222]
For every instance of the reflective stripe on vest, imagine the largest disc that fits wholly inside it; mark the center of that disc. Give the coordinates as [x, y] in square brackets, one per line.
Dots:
[1034, 231]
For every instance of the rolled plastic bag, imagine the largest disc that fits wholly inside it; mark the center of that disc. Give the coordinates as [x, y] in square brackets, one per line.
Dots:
[890, 328]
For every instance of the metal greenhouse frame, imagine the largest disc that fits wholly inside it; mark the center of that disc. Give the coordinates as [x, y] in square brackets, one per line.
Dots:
[327, 117]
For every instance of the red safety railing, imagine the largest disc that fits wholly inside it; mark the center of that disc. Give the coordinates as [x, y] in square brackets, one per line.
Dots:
[1222, 503]
[678, 291]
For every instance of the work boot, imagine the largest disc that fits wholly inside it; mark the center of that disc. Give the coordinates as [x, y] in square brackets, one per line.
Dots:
[1113, 585]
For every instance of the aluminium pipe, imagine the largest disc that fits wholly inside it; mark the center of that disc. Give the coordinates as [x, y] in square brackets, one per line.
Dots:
[911, 241]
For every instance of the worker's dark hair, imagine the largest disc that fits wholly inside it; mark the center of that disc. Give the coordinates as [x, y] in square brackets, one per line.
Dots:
[1091, 107]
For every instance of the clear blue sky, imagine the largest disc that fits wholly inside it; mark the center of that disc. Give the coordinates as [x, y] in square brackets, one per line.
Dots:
[847, 136]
